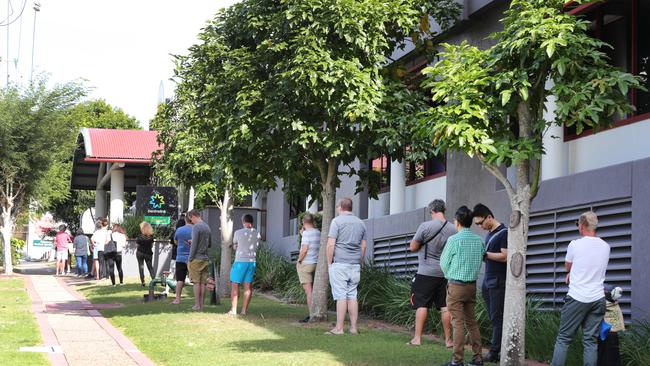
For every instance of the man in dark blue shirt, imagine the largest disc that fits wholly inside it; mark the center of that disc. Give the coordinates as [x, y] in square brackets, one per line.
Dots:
[494, 282]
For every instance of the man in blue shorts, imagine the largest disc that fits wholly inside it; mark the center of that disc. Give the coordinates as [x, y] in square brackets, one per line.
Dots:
[245, 242]
[183, 237]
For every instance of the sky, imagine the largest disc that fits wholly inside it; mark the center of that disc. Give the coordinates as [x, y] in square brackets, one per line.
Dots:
[121, 48]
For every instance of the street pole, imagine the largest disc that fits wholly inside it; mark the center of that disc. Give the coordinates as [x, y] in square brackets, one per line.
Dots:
[37, 8]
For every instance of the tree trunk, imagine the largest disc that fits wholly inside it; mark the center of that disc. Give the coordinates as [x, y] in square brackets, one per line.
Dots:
[7, 230]
[513, 343]
[318, 311]
[226, 243]
[514, 324]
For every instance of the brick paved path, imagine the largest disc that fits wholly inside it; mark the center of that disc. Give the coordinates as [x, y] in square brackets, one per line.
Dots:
[79, 334]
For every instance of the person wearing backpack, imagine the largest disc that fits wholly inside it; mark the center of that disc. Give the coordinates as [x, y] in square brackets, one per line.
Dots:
[429, 286]
[81, 244]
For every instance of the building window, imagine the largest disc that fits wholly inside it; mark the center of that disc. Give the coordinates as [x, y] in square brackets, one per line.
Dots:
[381, 165]
[419, 171]
[620, 24]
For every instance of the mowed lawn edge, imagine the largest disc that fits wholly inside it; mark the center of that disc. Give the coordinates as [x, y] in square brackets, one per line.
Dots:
[18, 326]
[268, 335]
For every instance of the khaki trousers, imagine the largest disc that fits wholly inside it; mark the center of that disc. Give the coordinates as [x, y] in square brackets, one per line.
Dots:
[461, 300]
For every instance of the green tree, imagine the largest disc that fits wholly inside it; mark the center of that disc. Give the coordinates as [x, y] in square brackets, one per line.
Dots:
[32, 126]
[56, 196]
[490, 104]
[297, 90]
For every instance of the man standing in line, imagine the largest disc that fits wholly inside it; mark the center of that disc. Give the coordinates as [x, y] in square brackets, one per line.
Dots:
[346, 247]
[461, 262]
[494, 283]
[245, 241]
[182, 237]
[198, 258]
[308, 257]
[429, 286]
[586, 263]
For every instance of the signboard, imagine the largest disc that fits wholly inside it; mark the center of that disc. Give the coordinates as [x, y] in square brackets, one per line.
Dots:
[46, 242]
[158, 205]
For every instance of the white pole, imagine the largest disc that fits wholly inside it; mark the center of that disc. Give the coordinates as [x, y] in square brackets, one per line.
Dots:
[117, 196]
[397, 187]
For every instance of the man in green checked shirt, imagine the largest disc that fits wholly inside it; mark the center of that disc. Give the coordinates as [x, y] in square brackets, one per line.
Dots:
[461, 262]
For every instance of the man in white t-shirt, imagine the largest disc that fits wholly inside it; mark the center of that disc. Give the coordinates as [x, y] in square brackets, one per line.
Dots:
[584, 305]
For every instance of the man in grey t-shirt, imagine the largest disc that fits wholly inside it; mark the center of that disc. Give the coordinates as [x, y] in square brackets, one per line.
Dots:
[245, 242]
[308, 257]
[346, 247]
[198, 258]
[429, 285]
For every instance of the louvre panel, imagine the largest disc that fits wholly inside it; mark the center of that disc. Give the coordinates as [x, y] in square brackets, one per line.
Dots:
[549, 236]
[393, 253]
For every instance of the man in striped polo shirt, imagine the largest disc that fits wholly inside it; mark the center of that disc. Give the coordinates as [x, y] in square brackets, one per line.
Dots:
[461, 262]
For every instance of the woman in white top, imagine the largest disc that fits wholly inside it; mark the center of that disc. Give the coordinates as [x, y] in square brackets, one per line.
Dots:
[115, 258]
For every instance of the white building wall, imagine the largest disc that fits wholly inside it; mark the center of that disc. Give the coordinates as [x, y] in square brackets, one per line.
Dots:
[615, 146]
[419, 195]
[416, 196]
[380, 206]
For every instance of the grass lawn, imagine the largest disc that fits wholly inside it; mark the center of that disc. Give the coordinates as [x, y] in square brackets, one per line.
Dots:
[269, 335]
[17, 325]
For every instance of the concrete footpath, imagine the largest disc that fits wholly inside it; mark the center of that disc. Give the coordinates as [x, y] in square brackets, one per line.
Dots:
[73, 331]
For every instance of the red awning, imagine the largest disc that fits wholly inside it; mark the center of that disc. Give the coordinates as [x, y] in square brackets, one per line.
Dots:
[119, 146]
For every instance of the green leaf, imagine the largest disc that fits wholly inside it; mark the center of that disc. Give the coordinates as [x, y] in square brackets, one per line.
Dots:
[505, 97]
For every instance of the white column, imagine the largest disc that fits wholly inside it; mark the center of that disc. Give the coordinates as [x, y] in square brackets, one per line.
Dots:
[554, 161]
[100, 203]
[257, 199]
[313, 208]
[397, 187]
[190, 203]
[117, 195]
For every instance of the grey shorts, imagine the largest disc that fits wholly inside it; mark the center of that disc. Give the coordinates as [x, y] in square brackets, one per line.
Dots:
[344, 279]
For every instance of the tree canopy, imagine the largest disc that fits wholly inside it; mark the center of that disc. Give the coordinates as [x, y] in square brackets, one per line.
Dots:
[297, 89]
[33, 135]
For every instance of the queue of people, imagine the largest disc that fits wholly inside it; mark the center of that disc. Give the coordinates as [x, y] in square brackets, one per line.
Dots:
[450, 258]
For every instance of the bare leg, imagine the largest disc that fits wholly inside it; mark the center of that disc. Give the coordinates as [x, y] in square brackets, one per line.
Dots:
[308, 294]
[96, 267]
[234, 297]
[420, 320]
[248, 292]
[341, 309]
[179, 291]
[446, 327]
[201, 295]
[197, 296]
[353, 311]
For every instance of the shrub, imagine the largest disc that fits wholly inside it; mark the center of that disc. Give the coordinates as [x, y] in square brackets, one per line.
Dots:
[635, 344]
[16, 246]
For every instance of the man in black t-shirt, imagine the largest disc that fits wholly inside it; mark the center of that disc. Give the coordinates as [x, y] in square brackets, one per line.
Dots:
[494, 282]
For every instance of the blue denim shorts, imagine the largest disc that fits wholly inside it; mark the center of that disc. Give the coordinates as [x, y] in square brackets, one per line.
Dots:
[242, 272]
[344, 279]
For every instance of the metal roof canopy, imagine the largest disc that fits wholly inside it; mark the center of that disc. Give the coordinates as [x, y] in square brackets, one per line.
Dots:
[95, 146]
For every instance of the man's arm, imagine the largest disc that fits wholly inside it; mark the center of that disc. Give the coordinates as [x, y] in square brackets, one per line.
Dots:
[415, 245]
[195, 240]
[303, 253]
[363, 250]
[446, 257]
[331, 243]
[498, 257]
[568, 265]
